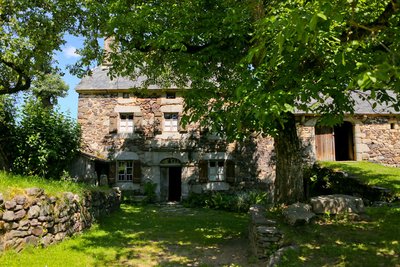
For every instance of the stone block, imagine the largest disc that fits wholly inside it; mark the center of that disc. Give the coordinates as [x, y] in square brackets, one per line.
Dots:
[20, 199]
[298, 214]
[18, 215]
[10, 205]
[34, 191]
[37, 231]
[33, 212]
[336, 204]
[8, 216]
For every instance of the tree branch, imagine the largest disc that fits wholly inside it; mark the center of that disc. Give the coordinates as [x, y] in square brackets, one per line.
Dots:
[23, 82]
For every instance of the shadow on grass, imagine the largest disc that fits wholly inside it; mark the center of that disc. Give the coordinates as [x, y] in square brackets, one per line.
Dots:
[149, 236]
[345, 243]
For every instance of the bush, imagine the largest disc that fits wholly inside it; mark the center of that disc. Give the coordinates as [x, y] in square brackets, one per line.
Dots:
[229, 201]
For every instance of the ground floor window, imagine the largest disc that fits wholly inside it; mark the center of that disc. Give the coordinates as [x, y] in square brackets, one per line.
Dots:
[216, 171]
[125, 171]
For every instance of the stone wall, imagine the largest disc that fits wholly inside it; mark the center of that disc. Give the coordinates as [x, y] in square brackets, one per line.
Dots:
[379, 140]
[36, 218]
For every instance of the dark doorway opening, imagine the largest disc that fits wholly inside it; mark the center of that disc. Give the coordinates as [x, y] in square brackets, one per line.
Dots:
[174, 184]
[101, 168]
[344, 141]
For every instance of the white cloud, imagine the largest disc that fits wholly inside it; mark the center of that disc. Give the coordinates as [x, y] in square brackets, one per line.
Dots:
[70, 52]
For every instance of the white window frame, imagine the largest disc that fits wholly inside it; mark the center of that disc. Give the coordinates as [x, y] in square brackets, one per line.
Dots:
[126, 124]
[216, 170]
[125, 171]
[171, 122]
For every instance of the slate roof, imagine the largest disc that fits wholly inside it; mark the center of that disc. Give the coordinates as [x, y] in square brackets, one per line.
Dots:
[99, 80]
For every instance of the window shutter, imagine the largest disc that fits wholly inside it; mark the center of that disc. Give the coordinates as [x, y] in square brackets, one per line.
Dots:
[158, 122]
[137, 122]
[112, 171]
[113, 127]
[137, 172]
[230, 171]
[203, 171]
[181, 128]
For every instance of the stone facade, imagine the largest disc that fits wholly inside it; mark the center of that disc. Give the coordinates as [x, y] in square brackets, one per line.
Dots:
[124, 126]
[35, 218]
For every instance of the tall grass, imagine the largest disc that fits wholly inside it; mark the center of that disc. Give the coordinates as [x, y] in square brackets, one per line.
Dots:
[11, 185]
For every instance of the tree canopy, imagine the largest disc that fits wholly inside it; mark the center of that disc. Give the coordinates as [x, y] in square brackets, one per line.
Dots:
[30, 32]
[251, 64]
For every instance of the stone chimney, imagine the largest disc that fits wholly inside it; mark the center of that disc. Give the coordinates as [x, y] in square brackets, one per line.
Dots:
[108, 41]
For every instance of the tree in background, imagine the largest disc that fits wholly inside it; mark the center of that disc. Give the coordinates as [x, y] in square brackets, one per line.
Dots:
[47, 88]
[7, 132]
[46, 141]
[251, 64]
[30, 32]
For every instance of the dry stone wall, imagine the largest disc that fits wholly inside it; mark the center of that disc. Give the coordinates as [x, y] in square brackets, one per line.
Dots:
[379, 140]
[36, 218]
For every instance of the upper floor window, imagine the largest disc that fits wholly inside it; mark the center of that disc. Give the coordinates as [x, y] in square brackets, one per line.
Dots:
[125, 123]
[171, 95]
[171, 122]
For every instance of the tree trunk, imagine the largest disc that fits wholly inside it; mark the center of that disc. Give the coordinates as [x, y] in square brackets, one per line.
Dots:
[289, 164]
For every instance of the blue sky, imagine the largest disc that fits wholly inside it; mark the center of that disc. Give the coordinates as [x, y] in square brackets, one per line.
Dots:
[65, 57]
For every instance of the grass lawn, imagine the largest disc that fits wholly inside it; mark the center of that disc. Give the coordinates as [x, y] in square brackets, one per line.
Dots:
[370, 173]
[11, 185]
[148, 236]
[340, 242]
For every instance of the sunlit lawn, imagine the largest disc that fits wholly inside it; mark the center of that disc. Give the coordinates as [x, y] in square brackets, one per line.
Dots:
[370, 173]
[140, 236]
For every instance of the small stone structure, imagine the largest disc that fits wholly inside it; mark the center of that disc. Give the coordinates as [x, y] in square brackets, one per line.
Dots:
[265, 237]
[298, 213]
[336, 204]
[36, 218]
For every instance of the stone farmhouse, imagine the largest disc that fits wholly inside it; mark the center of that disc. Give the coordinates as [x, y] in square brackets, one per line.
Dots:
[131, 137]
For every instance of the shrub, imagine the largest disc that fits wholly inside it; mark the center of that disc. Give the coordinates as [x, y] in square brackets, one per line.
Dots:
[229, 201]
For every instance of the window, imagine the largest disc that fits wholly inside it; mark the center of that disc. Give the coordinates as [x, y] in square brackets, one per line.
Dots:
[125, 123]
[216, 171]
[171, 95]
[171, 122]
[125, 95]
[125, 171]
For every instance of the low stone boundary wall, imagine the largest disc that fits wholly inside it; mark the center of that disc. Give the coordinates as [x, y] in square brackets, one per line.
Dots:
[38, 219]
[265, 237]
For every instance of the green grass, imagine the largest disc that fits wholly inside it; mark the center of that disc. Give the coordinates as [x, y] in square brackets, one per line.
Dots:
[370, 173]
[340, 242]
[11, 185]
[141, 236]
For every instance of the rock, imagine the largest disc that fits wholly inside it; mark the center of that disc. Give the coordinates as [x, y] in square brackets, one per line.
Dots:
[17, 233]
[336, 204]
[20, 199]
[18, 207]
[34, 191]
[8, 216]
[18, 215]
[37, 231]
[44, 210]
[31, 240]
[24, 225]
[1, 199]
[47, 240]
[275, 258]
[33, 212]
[298, 214]
[10, 205]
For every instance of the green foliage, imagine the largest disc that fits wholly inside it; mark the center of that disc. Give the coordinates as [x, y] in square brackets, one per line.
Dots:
[7, 132]
[149, 189]
[238, 201]
[30, 32]
[46, 141]
[48, 87]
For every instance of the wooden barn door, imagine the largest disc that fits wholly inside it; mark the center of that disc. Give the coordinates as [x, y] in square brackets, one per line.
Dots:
[324, 143]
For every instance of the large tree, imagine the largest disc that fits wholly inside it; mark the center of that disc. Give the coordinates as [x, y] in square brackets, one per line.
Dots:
[251, 64]
[30, 32]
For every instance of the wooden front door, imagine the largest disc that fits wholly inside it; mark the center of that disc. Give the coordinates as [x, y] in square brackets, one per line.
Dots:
[324, 143]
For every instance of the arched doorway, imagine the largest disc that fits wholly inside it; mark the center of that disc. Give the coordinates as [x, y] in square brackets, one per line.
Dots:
[171, 179]
[344, 141]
